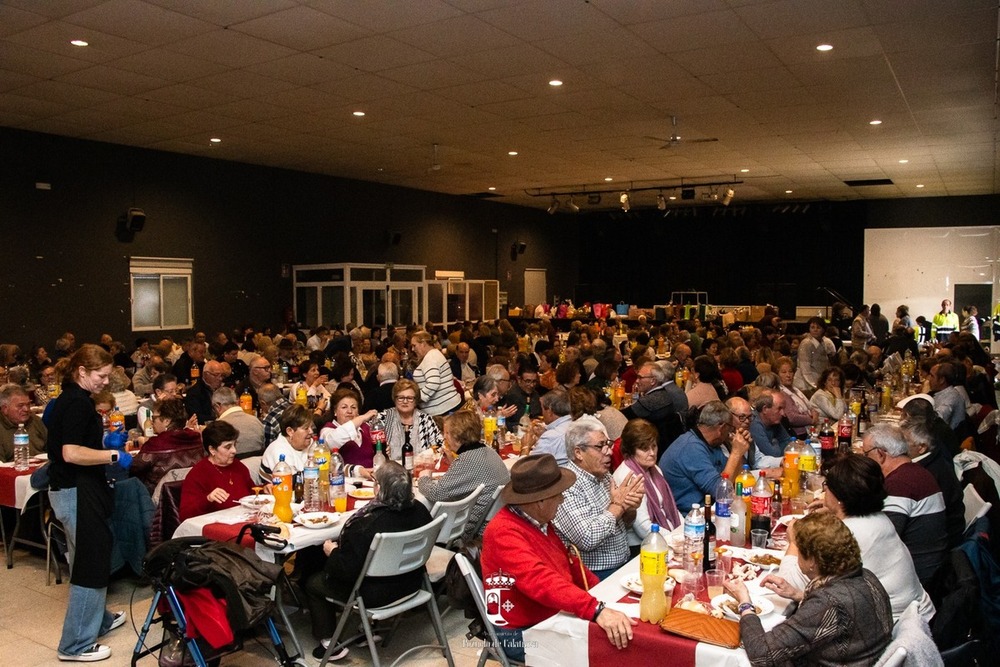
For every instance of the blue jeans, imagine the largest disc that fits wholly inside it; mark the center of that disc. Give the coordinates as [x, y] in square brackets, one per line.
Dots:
[511, 641]
[86, 618]
[604, 574]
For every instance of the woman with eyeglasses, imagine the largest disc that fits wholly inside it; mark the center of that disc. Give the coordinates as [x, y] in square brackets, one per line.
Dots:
[219, 480]
[173, 446]
[404, 422]
[800, 413]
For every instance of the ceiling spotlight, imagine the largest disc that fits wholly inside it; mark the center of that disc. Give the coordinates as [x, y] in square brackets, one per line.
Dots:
[555, 82]
[824, 47]
[727, 196]
[512, 153]
[571, 205]
[79, 42]
[626, 204]
[554, 206]
[875, 122]
[215, 140]
[661, 203]
[359, 114]
[607, 179]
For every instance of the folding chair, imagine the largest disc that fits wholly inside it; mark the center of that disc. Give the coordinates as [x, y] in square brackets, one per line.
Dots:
[392, 554]
[975, 506]
[492, 648]
[495, 505]
[456, 515]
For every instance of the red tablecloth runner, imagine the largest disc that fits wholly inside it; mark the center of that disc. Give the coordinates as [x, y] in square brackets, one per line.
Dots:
[649, 645]
[226, 532]
[7, 477]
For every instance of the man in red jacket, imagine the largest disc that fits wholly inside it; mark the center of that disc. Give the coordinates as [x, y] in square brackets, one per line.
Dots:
[528, 573]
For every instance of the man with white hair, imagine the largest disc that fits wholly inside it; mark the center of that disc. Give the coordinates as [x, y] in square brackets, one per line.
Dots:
[380, 398]
[551, 435]
[925, 450]
[915, 504]
[226, 405]
[661, 402]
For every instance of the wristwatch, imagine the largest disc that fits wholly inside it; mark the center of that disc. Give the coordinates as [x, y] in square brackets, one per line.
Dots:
[744, 607]
[600, 608]
[114, 456]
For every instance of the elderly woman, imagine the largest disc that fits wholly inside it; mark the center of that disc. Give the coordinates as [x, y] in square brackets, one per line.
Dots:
[314, 381]
[707, 385]
[297, 430]
[348, 431]
[639, 442]
[855, 491]
[393, 510]
[125, 400]
[405, 423]
[475, 464]
[800, 414]
[220, 479]
[172, 447]
[843, 615]
[828, 400]
[568, 374]
[485, 395]
[729, 362]
[596, 513]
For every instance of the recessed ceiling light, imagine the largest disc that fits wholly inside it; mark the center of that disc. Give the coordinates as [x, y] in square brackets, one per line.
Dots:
[491, 188]
[875, 122]
[215, 140]
[555, 82]
[381, 169]
[79, 42]
[744, 171]
[672, 197]
[920, 185]
[511, 152]
[608, 179]
[903, 161]
[824, 47]
[788, 192]
[359, 114]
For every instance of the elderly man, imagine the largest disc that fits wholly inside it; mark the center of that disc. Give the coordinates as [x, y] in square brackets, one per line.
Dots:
[251, 432]
[661, 402]
[694, 463]
[549, 436]
[502, 376]
[525, 393]
[597, 513]
[272, 404]
[142, 381]
[192, 358]
[464, 372]
[438, 395]
[923, 450]
[199, 397]
[528, 571]
[814, 354]
[380, 398]
[948, 400]
[15, 408]
[768, 433]
[915, 504]
[260, 374]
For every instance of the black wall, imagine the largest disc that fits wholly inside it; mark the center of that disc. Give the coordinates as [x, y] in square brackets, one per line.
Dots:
[63, 268]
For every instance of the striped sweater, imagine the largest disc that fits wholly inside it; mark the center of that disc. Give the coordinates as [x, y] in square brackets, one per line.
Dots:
[916, 508]
[437, 389]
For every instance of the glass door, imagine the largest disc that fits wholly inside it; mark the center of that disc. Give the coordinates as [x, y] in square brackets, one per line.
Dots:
[373, 307]
[401, 304]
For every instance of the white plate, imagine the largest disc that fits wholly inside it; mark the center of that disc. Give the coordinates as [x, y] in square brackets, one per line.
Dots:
[362, 494]
[316, 520]
[633, 583]
[256, 502]
[765, 606]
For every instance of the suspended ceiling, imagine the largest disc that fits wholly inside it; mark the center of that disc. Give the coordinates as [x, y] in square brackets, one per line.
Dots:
[279, 81]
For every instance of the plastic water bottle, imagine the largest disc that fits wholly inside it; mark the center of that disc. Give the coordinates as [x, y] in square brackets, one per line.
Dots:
[653, 572]
[724, 496]
[694, 538]
[21, 452]
[310, 487]
[738, 518]
[338, 492]
[501, 427]
[281, 478]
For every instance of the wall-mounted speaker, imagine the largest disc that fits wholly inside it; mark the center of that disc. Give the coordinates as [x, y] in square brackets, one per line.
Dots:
[135, 219]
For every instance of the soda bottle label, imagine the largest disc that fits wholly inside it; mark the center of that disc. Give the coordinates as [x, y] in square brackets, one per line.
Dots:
[653, 563]
[760, 505]
[844, 429]
[807, 463]
[827, 442]
[722, 509]
[378, 435]
[791, 460]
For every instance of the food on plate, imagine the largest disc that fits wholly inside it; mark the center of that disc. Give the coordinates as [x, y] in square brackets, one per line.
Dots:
[363, 494]
[765, 559]
[318, 520]
[690, 604]
[733, 606]
[745, 571]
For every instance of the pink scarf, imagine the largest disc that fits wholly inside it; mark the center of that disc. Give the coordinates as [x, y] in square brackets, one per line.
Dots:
[665, 514]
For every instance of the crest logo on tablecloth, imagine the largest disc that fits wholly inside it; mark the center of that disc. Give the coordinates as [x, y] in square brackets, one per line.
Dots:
[497, 587]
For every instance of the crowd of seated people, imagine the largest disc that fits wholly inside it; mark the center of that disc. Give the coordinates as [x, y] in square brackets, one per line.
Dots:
[700, 399]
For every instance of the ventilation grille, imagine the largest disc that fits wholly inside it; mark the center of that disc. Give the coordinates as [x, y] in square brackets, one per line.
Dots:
[869, 181]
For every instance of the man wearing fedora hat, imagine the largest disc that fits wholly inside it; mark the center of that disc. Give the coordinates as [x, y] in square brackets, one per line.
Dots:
[528, 572]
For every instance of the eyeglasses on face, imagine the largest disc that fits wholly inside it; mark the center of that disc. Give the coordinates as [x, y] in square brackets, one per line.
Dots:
[605, 445]
[406, 399]
[741, 417]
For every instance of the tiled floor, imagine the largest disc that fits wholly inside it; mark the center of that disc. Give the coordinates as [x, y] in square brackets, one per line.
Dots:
[31, 616]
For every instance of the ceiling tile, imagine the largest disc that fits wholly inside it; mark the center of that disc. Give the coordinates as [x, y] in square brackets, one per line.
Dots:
[301, 28]
[113, 80]
[796, 17]
[455, 36]
[373, 54]
[432, 74]
[242, 83]
[230, 48]
[303, 69]
[139, 21]
[168, 65]
[223, 13]
[387, 15]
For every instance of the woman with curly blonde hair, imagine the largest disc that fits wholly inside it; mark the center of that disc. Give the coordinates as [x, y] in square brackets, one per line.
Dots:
[843, 615]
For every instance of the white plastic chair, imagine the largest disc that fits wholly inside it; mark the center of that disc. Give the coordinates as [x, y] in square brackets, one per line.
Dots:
[253, 465]
[492, 648]
[975, 506]
[456, 515]
[495, 504]
[392, 554]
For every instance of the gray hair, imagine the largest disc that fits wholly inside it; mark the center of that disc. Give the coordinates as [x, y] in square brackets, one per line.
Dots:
[888, 438]
[498, 372]
[484, 384]
[715, 413]
[557, 400]
[663, 370]
[225, 397]
[395, 490]
[9, 391]
[118, 381]
[269, 393]
[763, 400]
[578, 435]
[387, 371]
[916, 431]
[769, 380]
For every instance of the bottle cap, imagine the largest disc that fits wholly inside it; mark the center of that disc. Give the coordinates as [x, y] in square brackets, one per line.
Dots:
[654, 528]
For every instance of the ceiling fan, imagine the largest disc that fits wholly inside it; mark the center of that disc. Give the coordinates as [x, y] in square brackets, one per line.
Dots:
[675, 139]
